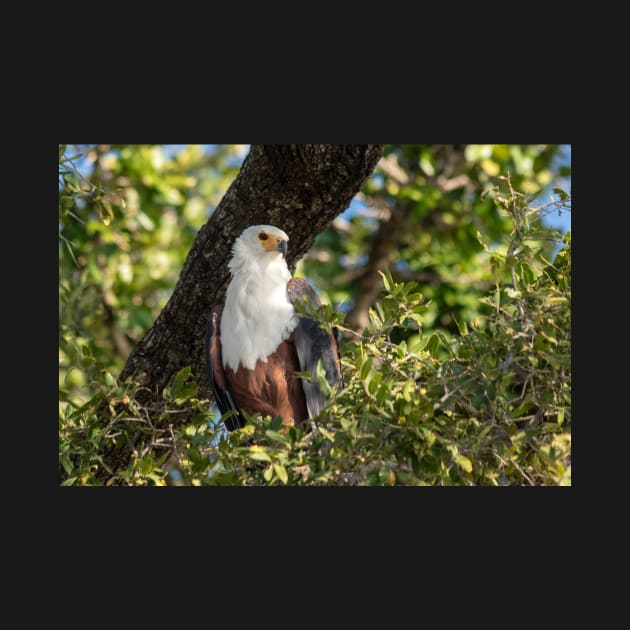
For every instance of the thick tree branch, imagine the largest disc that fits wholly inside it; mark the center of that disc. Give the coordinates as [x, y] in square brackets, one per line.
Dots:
[299, 188]
[368, 286]
[395, 221]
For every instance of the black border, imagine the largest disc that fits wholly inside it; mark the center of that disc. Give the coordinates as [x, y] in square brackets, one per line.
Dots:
[406, 522]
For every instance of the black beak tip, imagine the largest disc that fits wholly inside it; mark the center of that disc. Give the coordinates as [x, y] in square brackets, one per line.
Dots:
[282, 247]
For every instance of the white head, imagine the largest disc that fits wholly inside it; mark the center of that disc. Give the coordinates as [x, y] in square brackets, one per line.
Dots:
[263, 243]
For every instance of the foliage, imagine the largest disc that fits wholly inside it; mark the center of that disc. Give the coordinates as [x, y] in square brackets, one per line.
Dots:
[489, 406]
[436, 192]
[462, 376]
[128, 215]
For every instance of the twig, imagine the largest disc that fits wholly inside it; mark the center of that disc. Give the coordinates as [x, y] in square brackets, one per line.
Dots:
[76, 217]
[67, 242]
[513, 244]
[87, 181]
[525, 476]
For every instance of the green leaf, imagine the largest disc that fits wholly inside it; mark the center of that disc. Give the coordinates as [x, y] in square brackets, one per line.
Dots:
[381, 312]
[109, 379]
[281, 471]
[66, 463]
[327, 434]
[375, 382]
[293, 434]
[463, 462]
[105, 211]
[387, 477]
[366, 367]
[387, 279]
[186, 392]
[71, 181]
[562, 194]
[519, 438]
[374, 319]
[158, 481]
[427, 166]
[275, 424]
[560, 416]
[268, 473]
[322, 381]
[433, 345]
[146, 465]
[375, 350]
[409, 390]
[462, 326]
[259, 456]
[179, 380]
[402, 349]
[277, 437]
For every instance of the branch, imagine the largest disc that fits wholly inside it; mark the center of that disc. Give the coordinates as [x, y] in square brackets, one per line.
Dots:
[388, 237]
[300, 188]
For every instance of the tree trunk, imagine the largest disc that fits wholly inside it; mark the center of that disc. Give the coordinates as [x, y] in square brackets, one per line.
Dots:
[368, 285]
[450, 166]
[300, 189]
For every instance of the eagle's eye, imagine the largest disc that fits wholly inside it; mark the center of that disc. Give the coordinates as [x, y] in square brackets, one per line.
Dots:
[262, 236]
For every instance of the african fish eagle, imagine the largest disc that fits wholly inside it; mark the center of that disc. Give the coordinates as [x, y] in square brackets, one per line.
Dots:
[257, 342]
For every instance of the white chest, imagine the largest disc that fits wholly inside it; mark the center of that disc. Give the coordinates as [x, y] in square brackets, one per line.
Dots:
[256, 318]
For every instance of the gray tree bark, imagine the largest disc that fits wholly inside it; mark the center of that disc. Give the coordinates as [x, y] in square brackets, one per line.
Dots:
[299, 188]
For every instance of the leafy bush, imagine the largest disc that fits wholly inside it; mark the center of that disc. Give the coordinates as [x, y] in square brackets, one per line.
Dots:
[489, 406]
[486, 403]
[419, 215]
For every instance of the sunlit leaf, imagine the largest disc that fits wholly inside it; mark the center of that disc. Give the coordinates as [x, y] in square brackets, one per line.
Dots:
[433, 345]
[277, 437]
[464, 463]
[65, 462]
[327, 434]
[281, 471]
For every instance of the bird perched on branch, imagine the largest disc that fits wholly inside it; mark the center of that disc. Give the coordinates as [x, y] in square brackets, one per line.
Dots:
[257, 343]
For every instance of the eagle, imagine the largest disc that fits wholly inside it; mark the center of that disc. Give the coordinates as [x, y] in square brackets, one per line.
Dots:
[258, 346]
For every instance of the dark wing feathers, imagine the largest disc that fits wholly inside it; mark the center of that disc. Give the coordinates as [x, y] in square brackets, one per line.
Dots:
[312, 344]
[216, 375]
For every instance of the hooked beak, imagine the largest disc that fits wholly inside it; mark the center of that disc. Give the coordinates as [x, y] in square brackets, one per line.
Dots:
[282, 247]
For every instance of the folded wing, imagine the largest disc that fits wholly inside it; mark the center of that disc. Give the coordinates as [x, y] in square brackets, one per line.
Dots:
[216, 374]
[313, 344]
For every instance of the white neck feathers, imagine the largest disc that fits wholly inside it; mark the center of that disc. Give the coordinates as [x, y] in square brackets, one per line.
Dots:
[257, 315]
